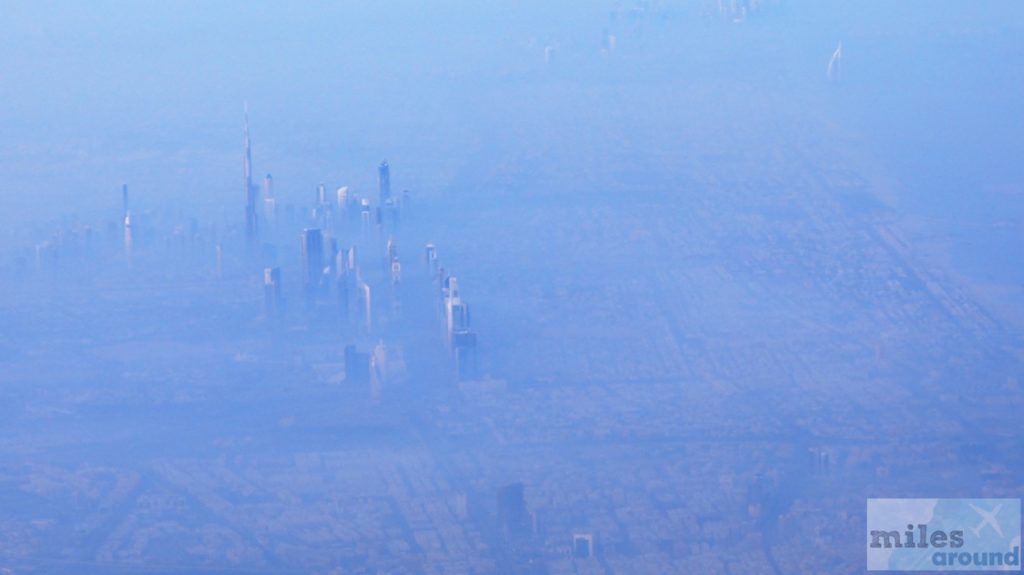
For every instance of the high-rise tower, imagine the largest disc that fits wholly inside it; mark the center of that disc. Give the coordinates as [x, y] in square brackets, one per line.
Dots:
[273, 303]
[384, 182]
[128, 240]
[250, 188]
[512, 513]
[312, 262]
[269, 203]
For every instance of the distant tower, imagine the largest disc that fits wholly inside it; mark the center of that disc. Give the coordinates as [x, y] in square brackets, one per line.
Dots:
[43, 249]
[250, 188]
[394, 266]
[128, 244]
[384, 181]
[330, 254]
[312, 262]
[379, 363]
[431, 258]
[456, 311]
[378, 371]
[342, 194]
[464, 344]
[396, 271]
[272, 301]
[352, 259]
[391, 252]
[461, 339]
[367, 300]
[512, 514]
[269, 203]
[357, 365]
[364, 216]
[582, 545]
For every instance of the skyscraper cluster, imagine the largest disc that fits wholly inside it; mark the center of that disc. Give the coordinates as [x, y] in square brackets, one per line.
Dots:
[364, 302]
[330, 266]
[340, 235]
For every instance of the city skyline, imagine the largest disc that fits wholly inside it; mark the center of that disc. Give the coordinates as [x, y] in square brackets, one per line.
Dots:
[574, 288]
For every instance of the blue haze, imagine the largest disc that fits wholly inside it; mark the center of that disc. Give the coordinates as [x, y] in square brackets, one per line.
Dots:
[720, 300]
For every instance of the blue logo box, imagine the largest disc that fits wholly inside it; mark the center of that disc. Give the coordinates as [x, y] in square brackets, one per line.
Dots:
[943, 534]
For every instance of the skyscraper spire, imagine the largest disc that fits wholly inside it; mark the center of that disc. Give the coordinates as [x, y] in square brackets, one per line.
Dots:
[250, 189]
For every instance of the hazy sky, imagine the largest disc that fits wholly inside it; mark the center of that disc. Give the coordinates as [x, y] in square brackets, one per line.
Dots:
[99, 93]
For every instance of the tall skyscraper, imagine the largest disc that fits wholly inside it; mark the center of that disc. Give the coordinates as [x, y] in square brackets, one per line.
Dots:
[456, 311]
[343, 198]
[512, 514]
[364, 216]
[366, 297]
[269, 203]
[391, 253]
[331, 254]
[379, 364]
[464, 344]
[128, 243]
[461, 339]
[250, 188]
[396, 271]
[268, 187]
[273, 303]
[312, 262]
[352, 260]
[357, 365]
[431, 258]
[384, 181]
